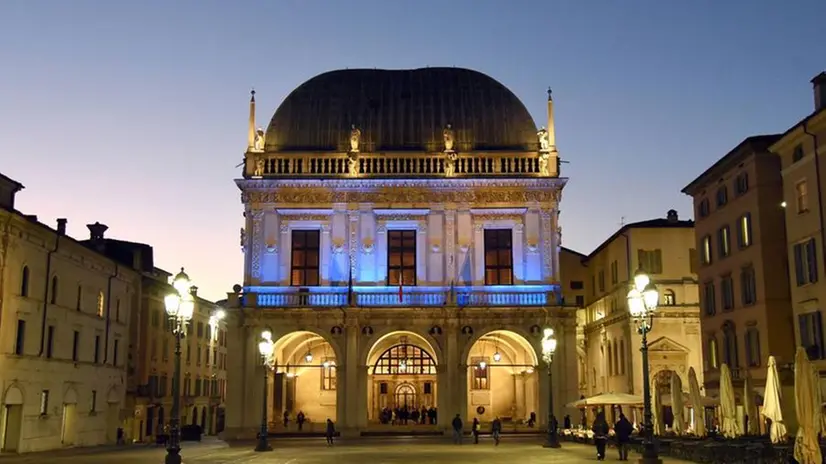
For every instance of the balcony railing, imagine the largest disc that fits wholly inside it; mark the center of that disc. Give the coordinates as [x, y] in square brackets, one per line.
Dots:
[387, 296]
[395, 164]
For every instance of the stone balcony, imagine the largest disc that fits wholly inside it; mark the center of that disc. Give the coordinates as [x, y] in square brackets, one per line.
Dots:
[390, 296]
[401, 164]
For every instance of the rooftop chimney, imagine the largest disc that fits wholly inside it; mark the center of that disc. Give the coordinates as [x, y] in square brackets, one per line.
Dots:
[96, 230]
[193, 290]
[61, 226]
[819, 86]
[672, 216]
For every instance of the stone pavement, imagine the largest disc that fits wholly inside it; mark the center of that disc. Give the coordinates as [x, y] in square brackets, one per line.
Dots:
[365, 451]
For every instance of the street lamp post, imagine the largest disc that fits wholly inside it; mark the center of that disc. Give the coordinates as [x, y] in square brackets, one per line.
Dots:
[642, 303]
[180, 306]
[265, 347]
[548, 350]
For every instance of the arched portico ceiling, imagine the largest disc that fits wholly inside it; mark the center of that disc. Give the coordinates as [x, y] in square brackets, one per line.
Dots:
[292, 347]
[400, 337]
[507, 342]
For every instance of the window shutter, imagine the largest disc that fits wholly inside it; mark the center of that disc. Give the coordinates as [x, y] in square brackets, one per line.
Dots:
[658, 261]
[811, 259]
[798, 265]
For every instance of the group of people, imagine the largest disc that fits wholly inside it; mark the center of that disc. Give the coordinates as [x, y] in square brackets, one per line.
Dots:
[622, 434]
[301, 419]
[475, 430]
[404, 415]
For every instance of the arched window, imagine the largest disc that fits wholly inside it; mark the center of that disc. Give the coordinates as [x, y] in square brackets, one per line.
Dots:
[610, 360]
[53, 298]
[730, 345]
[669, 298]
[622, 356]
[405, 359]
[24, 281]
[102, 304]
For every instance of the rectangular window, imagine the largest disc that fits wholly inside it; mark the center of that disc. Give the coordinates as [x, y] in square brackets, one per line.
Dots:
[797, 154]
[115, 352]
[614, 272]
[580, 301]
[481, 377]
[811, 334]
[401, 257]
[49, 341]
[753, 347]
[748, 287]
[79, 302]
[498, 257]
[20, 340]
[727, 288]
[742, 184]
[304, 255]
[709, 299]
[75, 345]
[651, 261]
[577, 285]
[722, 196]
[601, 275]
[328, 374]
[805, 262]
[724, 242]
[801, 191]
[706, 252]
[93, 401]
[97, 349]
[744, 231]
[44, 402]
[101, 304]
[703, 208]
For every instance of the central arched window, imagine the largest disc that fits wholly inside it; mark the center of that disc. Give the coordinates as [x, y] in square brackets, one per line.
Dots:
[405, 360]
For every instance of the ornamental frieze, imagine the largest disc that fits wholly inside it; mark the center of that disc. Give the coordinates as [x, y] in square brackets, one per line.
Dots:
[317, 196]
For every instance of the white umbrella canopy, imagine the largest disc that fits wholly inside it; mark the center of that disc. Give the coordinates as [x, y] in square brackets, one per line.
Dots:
[656, 413]
[728, 407]
[696, 404]
[771, 404]
[608, 399]
[677, 404]
[820, 418]
[750, 407]
[806, 445]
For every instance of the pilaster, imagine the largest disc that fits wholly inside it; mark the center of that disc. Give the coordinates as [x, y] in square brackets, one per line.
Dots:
[478, 254]
[449, 245]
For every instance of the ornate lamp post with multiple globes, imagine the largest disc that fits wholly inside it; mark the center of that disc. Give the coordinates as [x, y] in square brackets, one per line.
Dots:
[265, 347]
[548, 350]
[180, 305]
[642, 303]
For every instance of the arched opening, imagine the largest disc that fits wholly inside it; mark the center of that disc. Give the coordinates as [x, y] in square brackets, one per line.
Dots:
[401, 387]
[502, 378]
[304, 380]
[12, 419]
[662, 388]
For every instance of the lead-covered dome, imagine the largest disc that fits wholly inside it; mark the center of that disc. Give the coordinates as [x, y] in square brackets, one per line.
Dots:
[401, 110]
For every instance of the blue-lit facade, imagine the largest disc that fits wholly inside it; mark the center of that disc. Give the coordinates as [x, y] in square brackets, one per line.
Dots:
[412, 213]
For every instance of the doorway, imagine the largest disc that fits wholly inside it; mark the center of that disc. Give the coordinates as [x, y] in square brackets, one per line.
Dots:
[12, 423]
[406, 396]
[67, 434]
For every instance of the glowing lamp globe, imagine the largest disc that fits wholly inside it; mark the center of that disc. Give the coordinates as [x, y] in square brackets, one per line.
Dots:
[497, 356]
[181, 282]
[636, 306]
[651, 297]
[172, 302]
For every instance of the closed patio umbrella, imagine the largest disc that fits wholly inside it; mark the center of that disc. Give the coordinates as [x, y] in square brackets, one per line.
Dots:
[728, 407]
[820, 425]
[657, 413]
[677, 404]
[697, 404]
[750, 407]
[771, 404]
[806, 446]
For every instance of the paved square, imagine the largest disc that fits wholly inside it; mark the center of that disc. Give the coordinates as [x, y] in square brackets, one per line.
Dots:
[314, 451]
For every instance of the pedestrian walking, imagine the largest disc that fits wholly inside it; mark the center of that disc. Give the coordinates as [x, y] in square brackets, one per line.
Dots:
[496, 430]
[331, 430]
[457, 430]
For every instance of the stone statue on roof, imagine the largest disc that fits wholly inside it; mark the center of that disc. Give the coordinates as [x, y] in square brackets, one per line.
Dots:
[355, 138]
[260, 138]
[544, 143]
[448, 135]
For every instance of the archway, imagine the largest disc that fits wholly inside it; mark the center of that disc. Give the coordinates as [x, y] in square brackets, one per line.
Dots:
[401, 368]
[305, 378]
[12, 419]
[502, 378]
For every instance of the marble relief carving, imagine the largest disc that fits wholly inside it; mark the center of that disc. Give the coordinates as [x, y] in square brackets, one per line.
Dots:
[353, 219]
[255, 262]
[546, 232]
[449, 242]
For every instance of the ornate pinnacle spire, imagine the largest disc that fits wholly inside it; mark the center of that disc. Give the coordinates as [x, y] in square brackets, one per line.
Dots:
[252, 96]
[549, 94]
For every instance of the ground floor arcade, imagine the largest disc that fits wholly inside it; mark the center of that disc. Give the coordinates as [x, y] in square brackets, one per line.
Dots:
[368, 369]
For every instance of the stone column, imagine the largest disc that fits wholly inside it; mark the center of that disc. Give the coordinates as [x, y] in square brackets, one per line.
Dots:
[381, 254]
[548, 245]
[421, 253]
[478, 254]
[349, 422]
[257, 240]
[518, 253]
[353, 242]
[243, 384]
[326, 255]
[449, 245]
[286, 252]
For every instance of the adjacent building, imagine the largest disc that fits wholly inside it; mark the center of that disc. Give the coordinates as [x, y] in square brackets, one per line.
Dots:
[610, 358]
[746, 313]
[801, 151]
[64, 330]
[152, 350]
[402, 245]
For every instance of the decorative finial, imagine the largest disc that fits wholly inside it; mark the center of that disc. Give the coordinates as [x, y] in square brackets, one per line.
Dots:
[252, 95]
[549, 94]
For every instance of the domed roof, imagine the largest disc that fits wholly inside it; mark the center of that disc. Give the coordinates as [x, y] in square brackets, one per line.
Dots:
[401, 110]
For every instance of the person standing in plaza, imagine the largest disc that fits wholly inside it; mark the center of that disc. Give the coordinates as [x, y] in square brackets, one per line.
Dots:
[457, 430]
[622, 431]
[600, 430]
[475, 430]
[496, 430]
[331, 430]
